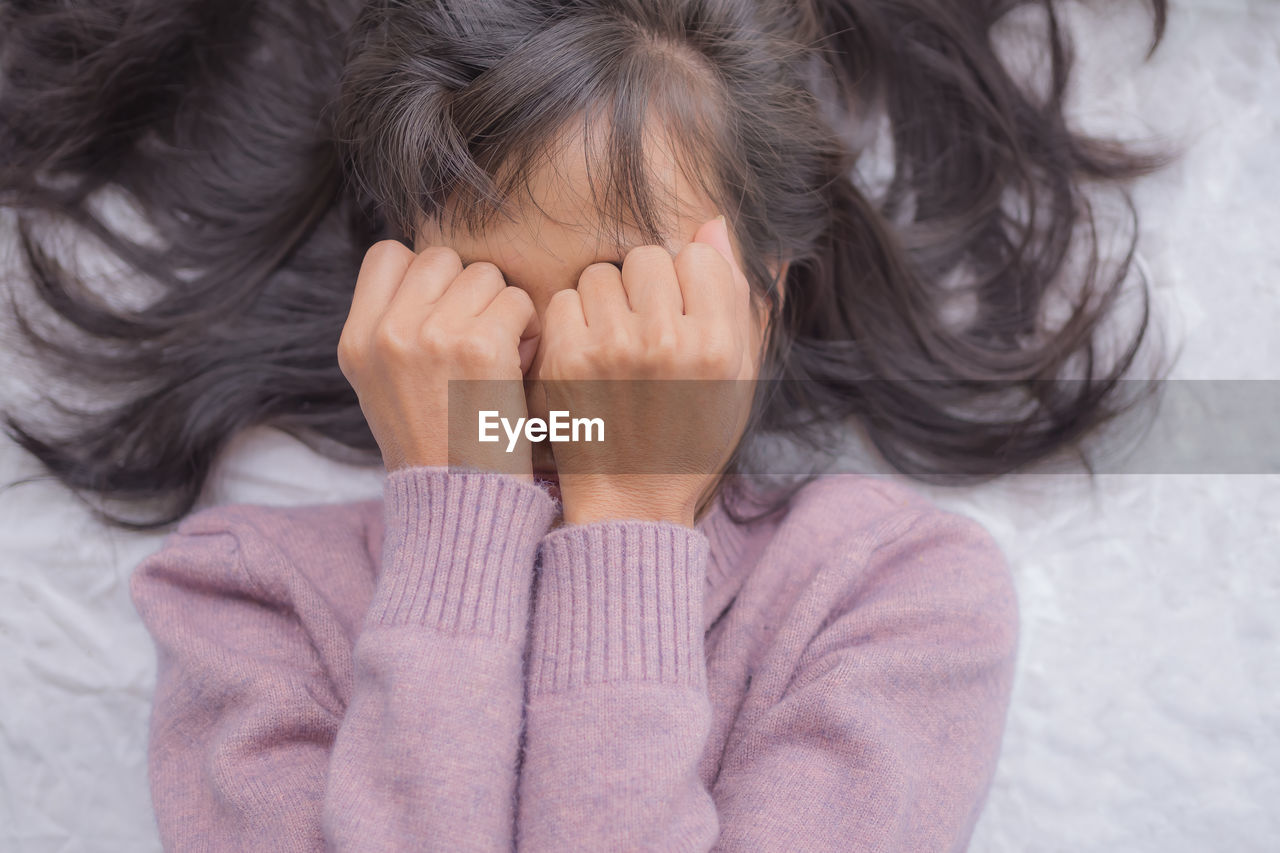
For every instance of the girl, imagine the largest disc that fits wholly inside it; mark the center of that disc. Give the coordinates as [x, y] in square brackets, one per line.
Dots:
[542, 192]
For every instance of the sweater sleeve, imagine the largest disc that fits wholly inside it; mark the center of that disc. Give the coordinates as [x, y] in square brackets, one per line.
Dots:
[618, 712]
[426, 755]
[248, 750]
[887, 735]
[884, 737]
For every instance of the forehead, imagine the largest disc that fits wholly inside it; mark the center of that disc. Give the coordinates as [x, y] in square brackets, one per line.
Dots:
[575, 206]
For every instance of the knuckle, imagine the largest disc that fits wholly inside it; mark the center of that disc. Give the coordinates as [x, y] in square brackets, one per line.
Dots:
[385, 250]
[716, 357]
[589, 282]
[646, 256]
[599, 273]
[486, 271]
[433, 340]
[586, 360]
[660, 342]
[472, 349]
[393, 342]
[701, 258]
[702, 252]
[349, 355]
[439, 253]
[561, 300]
[623, 345]
[441, 259]
[518, 296]
[349, 368]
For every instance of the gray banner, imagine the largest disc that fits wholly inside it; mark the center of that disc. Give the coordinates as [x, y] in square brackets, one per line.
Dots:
[665, 427]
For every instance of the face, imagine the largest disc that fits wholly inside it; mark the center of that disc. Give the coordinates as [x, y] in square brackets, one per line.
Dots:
[559, 233]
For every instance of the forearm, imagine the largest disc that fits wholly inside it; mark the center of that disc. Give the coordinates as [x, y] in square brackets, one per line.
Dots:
[426, 754]
[618, 711]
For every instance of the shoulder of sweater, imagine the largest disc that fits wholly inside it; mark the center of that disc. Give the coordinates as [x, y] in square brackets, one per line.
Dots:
[909, 591]
[266, 519]
[839, 511]
[276, 543]
[874, 532]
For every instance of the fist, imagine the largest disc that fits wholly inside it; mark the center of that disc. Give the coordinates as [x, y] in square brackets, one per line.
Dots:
[656, 324]
[418, 320]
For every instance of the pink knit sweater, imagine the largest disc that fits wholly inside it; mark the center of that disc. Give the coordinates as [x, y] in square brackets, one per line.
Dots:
[441, 670]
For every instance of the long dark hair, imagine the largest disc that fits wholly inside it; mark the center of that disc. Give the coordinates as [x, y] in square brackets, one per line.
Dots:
[269, 145]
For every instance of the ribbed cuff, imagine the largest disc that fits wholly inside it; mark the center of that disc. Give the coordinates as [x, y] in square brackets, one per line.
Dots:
[458, 550]
[619, 601]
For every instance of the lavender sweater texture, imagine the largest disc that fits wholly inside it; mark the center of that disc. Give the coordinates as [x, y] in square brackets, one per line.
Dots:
[441, 669]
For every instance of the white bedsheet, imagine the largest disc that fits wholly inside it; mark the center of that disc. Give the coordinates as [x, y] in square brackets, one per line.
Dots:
[1146, 709]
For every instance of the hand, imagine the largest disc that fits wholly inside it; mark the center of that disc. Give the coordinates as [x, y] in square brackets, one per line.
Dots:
[659, 318]
[419, 320]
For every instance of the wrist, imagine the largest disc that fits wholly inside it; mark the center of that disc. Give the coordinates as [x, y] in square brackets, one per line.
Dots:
[586, 507]
[594, 514]
[520, 476]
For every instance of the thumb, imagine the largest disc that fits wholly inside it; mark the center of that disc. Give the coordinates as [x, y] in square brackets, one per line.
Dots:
[715, 232]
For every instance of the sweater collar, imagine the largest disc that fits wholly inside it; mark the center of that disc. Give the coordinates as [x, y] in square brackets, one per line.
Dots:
[734, 551]
[727, 542]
